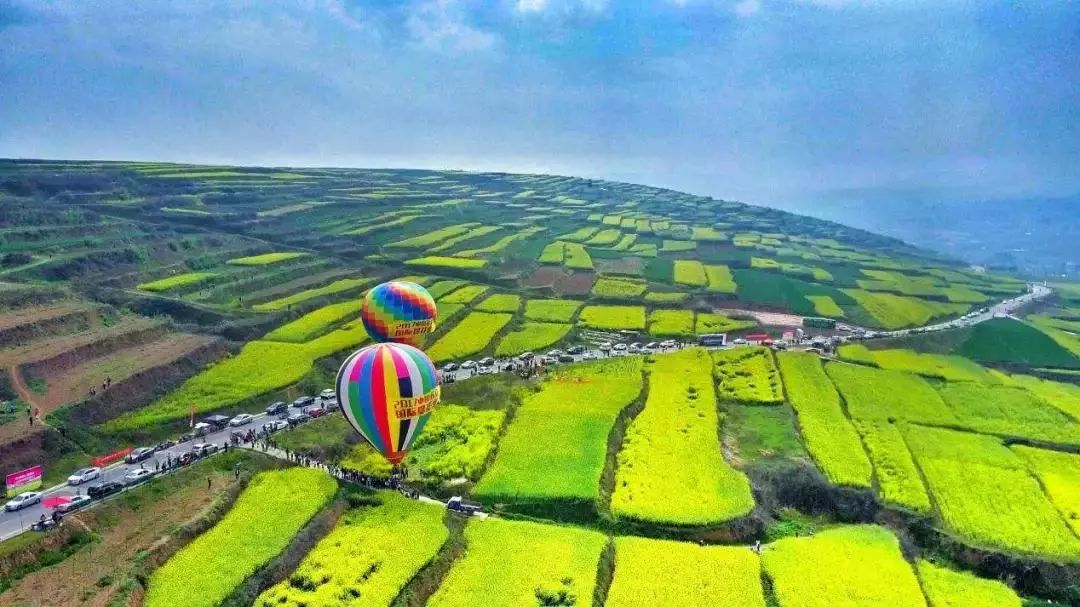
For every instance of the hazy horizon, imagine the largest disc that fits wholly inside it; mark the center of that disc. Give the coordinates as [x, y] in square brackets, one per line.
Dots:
[777, 103]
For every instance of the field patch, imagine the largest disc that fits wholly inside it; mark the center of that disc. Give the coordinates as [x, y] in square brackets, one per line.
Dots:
[469, 336]
[173, 282]
[618, 287]
[315, 323]
[830, 438]
[720, 279]
[363, 561]
[435, 261]
[825, 306]
[747, 375]
[652, 572]
[265, 259]
[511, 563]
[260, 524]
[898, 478]
[500, 302]
[714, 322]
[949, 588]
[574, 412]
[532, 336]
[689, 272]
[576, 257]
[1059, 474]
[888, 395]
[435, 237]
[664, 323]
[344, 285]
[465, 294]
[842, 567]
[984, 493]
[896, 311]
[613, 317]
[551, 310]
[678, 425]
[1004, 340]
[1007, 410]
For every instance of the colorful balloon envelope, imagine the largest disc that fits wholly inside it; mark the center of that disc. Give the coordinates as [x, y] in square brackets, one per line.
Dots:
[398, 311]
[387, 392]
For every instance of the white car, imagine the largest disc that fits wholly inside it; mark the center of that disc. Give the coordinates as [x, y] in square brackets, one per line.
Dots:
[201, 449]
[137, 476]
[76, 502]
[275, 425]
[241, 420]
[83, 475]
[327, 393]
[620, 348]
[23, 500]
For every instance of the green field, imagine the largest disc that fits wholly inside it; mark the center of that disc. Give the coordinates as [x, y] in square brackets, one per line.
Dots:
[574, 412]
[469, 336]
[613, 317]
[830, 437]
[367, 541]
[668, 323]
[508, 563]
[501, 302]
[315, 323]
[747, 375]
[532, 336]
[340, 286]
[259, 526]
[1004, 340]
[264, 259]
[551, 310]
[678, 425]
[172, 282]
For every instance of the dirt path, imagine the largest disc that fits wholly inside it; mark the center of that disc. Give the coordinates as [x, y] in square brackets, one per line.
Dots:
[20, 427]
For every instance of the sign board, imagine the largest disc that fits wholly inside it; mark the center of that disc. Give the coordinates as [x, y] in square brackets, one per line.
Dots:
[115, 456]
[23, 480]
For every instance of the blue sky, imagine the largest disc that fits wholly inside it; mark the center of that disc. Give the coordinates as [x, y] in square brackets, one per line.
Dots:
[769, 101]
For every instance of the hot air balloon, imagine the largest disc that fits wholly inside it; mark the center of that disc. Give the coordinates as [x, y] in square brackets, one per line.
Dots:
[386, 392]
[398, 311]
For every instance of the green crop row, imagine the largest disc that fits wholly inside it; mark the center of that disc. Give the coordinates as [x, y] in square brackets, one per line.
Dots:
[470, 234]
[464, 295]
[530, 337]
[948, 588]
[260, 367]
[172, 282]
[315, 323]
[447, 262]
[748, 375]
[830, 438]
[339, 286]
[551, 310]
[500, 302]
[434, 237]
[257, 528]
[522, 563]
[577, 258]
[663, 323]
[653, 481]
[897, 477]
[720, 279]
[265, 259]
[618, 287]
[613, 317]
[469, 336]
[573, 411]
[881, 394]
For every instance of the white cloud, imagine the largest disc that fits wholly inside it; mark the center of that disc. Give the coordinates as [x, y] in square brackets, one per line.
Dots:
[440, 25]
[746, 8]
[531, 6]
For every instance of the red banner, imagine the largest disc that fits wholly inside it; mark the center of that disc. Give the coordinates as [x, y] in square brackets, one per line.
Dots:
[115, 456]
[23, 480]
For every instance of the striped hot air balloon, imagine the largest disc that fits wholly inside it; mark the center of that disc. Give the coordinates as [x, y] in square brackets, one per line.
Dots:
[398, 311]
[387, 392]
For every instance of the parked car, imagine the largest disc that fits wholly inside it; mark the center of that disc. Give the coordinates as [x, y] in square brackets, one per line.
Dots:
[298, 418]
[241, 420]
[187, 457]
[469, 364]
[485, 370]
[566, 358]
[314, 412]
[202, 428]
[137, 476]
[547, 360]
[76, 502]
[576, 350]
[330, 403]
[104, 489]
[526, 356]
[605, 346]
[204, 449]
[667, 343]
[327, 393]
[165, 444]
[275, 425]
[487, 361]
[277, 408]
[448, 367]
[304, 401]
[635, 347]
[84, 475]
[508, 367]
[619, 348]
[738, 341]
[219, 421]
[23, 500]
[140, 454]
[554, 353]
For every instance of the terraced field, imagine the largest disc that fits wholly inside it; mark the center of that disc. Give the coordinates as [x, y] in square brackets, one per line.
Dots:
[152, 264]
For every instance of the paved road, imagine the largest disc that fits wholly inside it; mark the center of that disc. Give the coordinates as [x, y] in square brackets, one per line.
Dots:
[13, 523]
